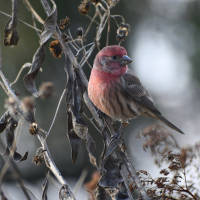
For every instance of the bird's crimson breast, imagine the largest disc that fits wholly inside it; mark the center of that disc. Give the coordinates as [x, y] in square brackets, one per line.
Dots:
[106, 95]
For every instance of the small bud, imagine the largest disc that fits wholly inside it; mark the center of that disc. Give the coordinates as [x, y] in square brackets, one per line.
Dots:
[56, 48]
[65, 23]
[120, 37]
[28, 103]
[46, 90]
[16, 92]
[37, 160]
[65, 37]
[33, 129]
[79, 31]
[84, 8]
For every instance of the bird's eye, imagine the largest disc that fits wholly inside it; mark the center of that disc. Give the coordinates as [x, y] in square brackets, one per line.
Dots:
[114, 57]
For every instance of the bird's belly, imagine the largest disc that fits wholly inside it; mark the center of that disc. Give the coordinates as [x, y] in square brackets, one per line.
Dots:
[113, 103]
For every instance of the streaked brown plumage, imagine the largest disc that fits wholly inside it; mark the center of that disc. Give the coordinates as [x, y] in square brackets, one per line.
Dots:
[117, 91]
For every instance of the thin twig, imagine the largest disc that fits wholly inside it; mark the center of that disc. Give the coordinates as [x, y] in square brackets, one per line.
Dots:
[64, 91]
[70, 35]
[34, 12]
[91, 122]
[108, 14]
[3, 13]
[91, 22]
[4, 88]
[34, 24]
[80, 182]
[113, 16]
[20, 71]
[83, 48]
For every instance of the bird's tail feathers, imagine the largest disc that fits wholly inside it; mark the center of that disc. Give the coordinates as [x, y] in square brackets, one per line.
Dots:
[168, 123]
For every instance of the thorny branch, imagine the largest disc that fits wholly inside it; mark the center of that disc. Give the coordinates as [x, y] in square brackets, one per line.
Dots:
[104, 19]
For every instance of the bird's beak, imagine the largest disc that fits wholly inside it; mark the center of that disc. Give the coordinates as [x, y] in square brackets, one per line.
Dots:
[125, 60]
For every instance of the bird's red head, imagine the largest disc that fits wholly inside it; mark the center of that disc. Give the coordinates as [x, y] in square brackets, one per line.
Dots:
[112, 60]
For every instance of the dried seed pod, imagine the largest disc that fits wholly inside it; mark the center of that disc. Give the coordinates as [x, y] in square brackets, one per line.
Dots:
[124, 28]
[64, 23]
[37, 160]
[79, 31]
[84, 8]
[120, 37]
[123, 31]
[56, 48]
[33, 129]
[46, 90]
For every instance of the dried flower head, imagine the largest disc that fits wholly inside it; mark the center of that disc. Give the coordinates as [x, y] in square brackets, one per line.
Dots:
[120, 37]
[95, 2]
[123, 31]
[46, 90]
[84, 8]
[33, 129]
[37, 160]
[64, 23]
[28, 103]
[79, 31]
[56, 48]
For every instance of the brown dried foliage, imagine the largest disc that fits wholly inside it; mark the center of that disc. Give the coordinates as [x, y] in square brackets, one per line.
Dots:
[174, 185]
[64, 23]
[56, 48]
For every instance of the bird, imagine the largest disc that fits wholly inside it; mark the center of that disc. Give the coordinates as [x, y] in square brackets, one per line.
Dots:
[116, 90]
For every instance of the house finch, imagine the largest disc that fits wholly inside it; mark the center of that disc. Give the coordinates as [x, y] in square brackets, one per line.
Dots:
[117, 91]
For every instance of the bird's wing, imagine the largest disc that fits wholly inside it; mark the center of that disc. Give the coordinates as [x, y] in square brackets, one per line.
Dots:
[135, 90]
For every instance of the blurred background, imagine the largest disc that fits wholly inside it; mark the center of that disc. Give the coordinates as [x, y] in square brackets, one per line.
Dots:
[164, 44]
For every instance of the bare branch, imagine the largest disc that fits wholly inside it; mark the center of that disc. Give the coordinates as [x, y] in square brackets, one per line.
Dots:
[64, 91]
[19, 73]
[34, 12]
